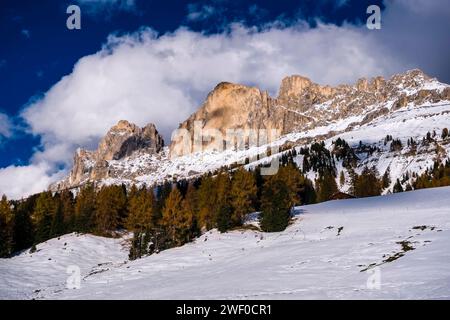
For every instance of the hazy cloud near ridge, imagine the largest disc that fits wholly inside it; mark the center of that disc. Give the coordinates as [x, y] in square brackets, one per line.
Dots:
[144, 77]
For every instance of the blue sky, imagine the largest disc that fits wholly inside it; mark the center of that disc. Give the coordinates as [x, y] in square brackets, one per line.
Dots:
[154, 61]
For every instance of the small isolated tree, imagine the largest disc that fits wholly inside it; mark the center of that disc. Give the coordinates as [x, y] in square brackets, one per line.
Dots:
[444, 134]
[275, 205]
[386, 180]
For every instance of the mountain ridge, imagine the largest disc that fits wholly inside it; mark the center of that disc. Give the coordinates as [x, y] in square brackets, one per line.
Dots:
[301, 109]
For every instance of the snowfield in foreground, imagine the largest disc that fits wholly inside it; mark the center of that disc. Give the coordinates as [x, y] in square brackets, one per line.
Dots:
[403, 238]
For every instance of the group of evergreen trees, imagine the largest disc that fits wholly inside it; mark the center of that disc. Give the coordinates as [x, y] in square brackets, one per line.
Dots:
[436, 176]
[160, 217]
[368, 183]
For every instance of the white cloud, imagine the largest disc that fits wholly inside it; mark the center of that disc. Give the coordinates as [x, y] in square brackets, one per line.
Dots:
[17, 182]
[143, 77]
[5, 126]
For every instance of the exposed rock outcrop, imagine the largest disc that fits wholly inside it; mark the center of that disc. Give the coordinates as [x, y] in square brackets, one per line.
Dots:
[121, 141]
[300, 105]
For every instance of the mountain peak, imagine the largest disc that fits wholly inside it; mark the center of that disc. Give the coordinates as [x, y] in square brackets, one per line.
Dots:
[294, 84]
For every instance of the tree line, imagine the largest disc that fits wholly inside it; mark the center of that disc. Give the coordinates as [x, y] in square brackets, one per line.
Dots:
[161, 216]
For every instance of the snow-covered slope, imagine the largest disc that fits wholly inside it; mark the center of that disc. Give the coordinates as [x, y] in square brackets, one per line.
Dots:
[404, 238]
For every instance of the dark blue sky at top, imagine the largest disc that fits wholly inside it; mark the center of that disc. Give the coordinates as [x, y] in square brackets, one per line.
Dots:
[37, 49]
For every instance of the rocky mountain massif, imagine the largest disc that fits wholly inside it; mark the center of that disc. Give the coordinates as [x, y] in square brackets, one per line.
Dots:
[121, 141]
[404, 106]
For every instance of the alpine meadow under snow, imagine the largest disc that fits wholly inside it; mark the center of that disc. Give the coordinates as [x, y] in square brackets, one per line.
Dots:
[401, 239]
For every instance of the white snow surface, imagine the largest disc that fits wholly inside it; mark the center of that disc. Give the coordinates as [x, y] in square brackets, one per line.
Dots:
[309, 260]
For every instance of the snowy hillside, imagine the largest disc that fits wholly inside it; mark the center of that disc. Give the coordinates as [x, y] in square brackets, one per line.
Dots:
[323, 254]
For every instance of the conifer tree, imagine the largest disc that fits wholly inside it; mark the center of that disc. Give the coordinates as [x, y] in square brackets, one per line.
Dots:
[386, 180]
[23, 226]
[224, 218]
[67, 203]
[43, 214]
[177, 220]
[162, 192]
[275, 205]
[140, 210]
[6, 228]
[243, 193]
[398, 187]
[85, 209]
[191, 204]
[292, 178]
[110, 205]
[57, 226]
[326, 186]
[207, 199]
[367, 184]
[259, 181]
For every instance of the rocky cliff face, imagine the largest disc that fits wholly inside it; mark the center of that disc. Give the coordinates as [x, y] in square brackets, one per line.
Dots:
[121, 141]
[302, 111]
[301, 105]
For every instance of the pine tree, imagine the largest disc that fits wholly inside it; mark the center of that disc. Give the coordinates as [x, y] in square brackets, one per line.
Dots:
[367, 184]
[243, 193]
[386, 180]
[292, 178]
[207, 199]
[259, 182]
[177, 219]
[444, 134]
[275, 205]
[162, 192]
[23, 226]
[109, 208]
[140, 210]
[6, 228]
[67, 203]
[57, 226]
[398, 187]
[43, 214]
[85, 209]
[224, 218]
[191, 204]
[326, 186]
